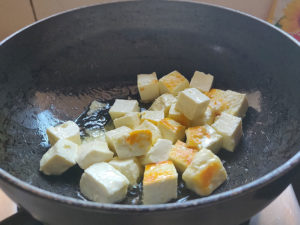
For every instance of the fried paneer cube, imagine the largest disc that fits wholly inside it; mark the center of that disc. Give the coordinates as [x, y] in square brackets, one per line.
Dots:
[205, 173]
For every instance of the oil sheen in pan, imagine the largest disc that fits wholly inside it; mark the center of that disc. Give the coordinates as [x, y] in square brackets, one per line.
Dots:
[94, 125]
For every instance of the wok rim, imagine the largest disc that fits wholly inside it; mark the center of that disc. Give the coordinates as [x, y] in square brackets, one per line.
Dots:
[119, 208]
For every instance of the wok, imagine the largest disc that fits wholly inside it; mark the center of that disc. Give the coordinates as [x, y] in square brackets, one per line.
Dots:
[50, 72]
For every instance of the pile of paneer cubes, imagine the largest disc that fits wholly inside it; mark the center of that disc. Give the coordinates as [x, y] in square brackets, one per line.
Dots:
[181, 133]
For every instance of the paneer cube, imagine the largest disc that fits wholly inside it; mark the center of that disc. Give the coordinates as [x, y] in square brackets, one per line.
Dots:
[131, 120]
[173, 83]
[93, 152]
[153, 116]
[158, 153]
[205, 173]
[228, 101]
[109, 135]
[122, 107]
[230, 127]
[159, 183]
[59, 157]
[103, 183]
[171, 130]
[146, 125]
[203, 137]
[134, 143]
[207, 118]
[97, 106]
[218, 102]
[148, 87]
[68, 130]
[178, 116]
[202, 81]
[163, 103]
[238, 103]
[192, 103]
[181, 155]
[130, 168]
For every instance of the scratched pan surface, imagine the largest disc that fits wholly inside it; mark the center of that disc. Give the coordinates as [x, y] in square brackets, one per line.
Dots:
[51, 72]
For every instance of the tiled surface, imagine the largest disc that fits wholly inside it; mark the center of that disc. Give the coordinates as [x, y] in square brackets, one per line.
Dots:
[14, 14]
[258, 8]
[7, 207]
[283, 211]
[46, 8]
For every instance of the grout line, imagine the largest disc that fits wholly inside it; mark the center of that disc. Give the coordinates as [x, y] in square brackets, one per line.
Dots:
[33, 10]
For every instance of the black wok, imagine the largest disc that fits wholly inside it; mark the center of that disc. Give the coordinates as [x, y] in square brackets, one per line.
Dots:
[51, 71]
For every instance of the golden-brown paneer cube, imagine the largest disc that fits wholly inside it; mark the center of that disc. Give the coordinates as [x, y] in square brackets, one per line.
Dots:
[134, 143]
[146, 125]
[173, 83]
[203, 137]
[159, 183]
[205, 173]
[217, 102]
[172, 130]
[228, 101]
[181, 155]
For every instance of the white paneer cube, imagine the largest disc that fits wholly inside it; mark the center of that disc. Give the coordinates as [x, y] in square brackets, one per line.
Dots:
[171, 130]
[159, 183]
[192, 103]
[205, 173]
[178, 116]
[230, 127]
[92, 152]
[68, 130]
[202, 81]
[203, 137]
[148, 87]
[96, 106]
[146, 125]
[130, 168]
[103, 183]
[163, 103]
[207, 118]
[131, 120]
[134, 143]
[110, 134]
[173, 83]
[121, 107]
[238, 103]
[158, 153]
[153, 116]
[59, 157]
[181, 155]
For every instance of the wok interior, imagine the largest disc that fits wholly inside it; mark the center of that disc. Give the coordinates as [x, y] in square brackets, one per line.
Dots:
[53, 70]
